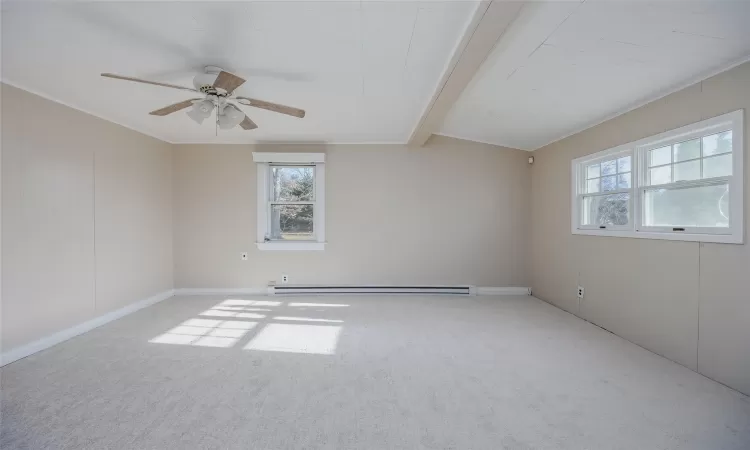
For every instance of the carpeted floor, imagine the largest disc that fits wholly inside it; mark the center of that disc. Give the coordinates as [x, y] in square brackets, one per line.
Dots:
[361, 373]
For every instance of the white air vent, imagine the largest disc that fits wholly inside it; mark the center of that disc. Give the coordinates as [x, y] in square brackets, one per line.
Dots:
[393, 290]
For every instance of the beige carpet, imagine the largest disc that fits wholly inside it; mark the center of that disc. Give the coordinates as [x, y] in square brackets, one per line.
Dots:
[361, 373]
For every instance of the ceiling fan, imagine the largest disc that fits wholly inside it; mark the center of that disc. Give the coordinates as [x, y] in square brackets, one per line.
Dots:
[218, 87]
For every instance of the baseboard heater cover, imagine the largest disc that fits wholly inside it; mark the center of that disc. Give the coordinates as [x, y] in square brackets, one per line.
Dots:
[394, 290]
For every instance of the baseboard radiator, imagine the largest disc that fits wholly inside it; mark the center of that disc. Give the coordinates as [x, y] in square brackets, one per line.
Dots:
[365, 289]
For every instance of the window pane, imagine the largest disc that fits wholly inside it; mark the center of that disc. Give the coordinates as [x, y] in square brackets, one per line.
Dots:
[717, 143]
[703, 206]
[609, 183]
[687, 150]
[592, 171]
[292, 184]
[592, 186]
[609, 167]
[623, 181]
[717, 166]
[292, 222]
[659, 156]
[623, 164]
[690, 170]
[606, 209]
[660, 175]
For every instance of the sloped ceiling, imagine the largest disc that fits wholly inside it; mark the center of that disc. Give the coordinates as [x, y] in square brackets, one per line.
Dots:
[565, 66]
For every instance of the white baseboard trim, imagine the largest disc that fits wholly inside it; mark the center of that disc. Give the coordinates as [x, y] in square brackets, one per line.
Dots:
[485, 290]
[221, 291]
[61, 336]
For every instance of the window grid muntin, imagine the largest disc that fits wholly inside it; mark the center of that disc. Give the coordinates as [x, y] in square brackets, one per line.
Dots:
[700, 137]
[616, 159]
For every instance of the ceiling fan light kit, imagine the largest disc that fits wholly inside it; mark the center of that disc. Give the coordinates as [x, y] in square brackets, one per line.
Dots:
[218, 86]
[230, 117]
[199, 112]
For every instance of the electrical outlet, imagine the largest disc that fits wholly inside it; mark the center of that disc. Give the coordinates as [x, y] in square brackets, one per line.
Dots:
[244, 256]
[285, 278]
[580, 291]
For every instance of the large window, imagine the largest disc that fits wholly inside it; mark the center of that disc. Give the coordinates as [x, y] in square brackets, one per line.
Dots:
[291, 201]
[685, 184]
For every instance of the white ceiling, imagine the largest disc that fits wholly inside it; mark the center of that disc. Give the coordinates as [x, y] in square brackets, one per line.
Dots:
[565, 66]
[363, 71]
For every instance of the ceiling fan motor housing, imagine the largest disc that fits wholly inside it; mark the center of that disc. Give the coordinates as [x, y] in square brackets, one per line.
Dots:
[204, 82]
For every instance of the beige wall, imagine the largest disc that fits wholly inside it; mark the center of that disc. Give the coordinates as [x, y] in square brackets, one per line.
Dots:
[451, 212]
[86, 217]
[687, 301]
[91, 213]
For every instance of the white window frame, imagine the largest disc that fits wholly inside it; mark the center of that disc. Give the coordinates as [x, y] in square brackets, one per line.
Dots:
[265, 161]
[734, 234]
[579, 187]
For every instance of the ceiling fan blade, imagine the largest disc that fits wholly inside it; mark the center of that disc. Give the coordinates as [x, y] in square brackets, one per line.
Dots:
[275, 107]
[248, 124]
[173, 108]
[227, 81]
[155, 83]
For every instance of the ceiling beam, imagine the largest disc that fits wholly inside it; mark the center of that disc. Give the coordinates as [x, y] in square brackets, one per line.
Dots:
[487, 25]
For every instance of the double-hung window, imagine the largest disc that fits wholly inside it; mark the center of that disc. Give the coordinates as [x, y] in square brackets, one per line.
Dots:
[291, 201]
[685, 184]
[605, 194]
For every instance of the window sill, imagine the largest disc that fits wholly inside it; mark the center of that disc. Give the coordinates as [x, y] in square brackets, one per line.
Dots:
[708, 238]
[291, 246]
